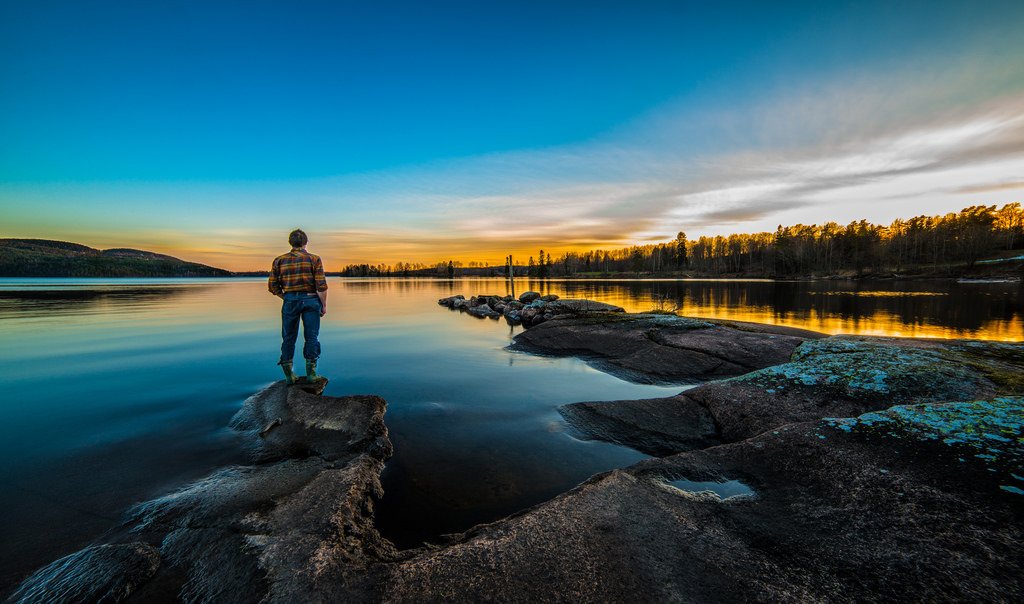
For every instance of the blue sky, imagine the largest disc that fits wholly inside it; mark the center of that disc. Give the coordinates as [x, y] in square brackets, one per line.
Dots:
[424, 130]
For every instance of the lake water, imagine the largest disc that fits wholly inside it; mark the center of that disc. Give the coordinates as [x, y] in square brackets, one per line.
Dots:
[115, 391]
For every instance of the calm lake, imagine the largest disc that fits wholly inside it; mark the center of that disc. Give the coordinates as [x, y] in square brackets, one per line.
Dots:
[115, 391]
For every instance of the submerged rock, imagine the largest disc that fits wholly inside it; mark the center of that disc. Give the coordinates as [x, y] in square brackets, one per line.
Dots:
[834, 377]
[296, 526]
[835, 515]
[664, 349]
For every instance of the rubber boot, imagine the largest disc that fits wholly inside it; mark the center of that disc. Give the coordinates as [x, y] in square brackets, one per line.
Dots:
[311, 375]
[289, 375]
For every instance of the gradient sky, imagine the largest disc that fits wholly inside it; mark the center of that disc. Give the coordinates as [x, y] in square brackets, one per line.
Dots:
[421, 131]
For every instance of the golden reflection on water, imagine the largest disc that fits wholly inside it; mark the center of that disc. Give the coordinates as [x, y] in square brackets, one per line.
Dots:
[931, 310]
[958, 313]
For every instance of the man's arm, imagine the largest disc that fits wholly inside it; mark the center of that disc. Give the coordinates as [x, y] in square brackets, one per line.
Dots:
[274, 282]
[321, 284]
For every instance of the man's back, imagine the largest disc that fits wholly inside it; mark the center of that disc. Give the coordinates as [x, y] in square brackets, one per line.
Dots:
[297, 271]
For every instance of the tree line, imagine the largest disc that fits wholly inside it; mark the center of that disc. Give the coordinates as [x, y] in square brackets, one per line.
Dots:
[918, 243]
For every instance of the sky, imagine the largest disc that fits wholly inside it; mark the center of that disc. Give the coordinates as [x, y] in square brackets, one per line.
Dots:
[415, 131]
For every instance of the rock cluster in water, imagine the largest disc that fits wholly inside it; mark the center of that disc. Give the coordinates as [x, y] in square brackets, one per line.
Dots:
[529, 309]
[875, 469]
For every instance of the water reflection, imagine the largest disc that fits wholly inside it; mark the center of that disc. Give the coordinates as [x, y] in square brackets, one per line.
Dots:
[117, 391]
[937, 309]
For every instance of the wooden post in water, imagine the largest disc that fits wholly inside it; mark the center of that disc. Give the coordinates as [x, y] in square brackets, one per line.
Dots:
[510, 271]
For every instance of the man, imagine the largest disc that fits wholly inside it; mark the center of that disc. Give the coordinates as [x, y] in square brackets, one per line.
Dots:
[298, 278]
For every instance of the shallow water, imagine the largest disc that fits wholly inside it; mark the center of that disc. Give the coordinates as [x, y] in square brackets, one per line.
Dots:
[114, 391]
[726, 489]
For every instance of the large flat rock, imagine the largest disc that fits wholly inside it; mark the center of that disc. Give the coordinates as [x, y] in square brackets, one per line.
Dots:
[296, 526]
[870, 510]
[662, 349]
[833, 377]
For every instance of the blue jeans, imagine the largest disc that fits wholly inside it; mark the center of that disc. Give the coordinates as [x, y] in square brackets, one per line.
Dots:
[307, 307]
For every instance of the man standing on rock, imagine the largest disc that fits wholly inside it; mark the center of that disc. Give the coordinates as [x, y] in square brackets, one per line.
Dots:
[298, 278]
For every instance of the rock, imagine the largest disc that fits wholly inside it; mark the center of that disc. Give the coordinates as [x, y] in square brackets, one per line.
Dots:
[101, 573]
[563, 307]
[483, 310]
[549, 298]
[515, 304]
[538, 303]
[659, 426]
[530, 316]
[657, 348]
[527, 297]
[459, 304]
[499, 308]
[513, 317]
[297, 526]
[327, 427]
[888, 510]
[835, 377]
[451, 300]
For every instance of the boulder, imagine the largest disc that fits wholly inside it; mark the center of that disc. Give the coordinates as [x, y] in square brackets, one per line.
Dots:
[892, 506]
[483, 310]
[549, 298]
[659, 349]
[451, 300]
[527, 297]
[570, 306]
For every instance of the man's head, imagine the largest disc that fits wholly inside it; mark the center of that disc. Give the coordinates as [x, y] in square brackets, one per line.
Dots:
[297, 238]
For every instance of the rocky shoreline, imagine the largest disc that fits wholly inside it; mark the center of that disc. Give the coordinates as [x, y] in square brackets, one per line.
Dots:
[873, 469]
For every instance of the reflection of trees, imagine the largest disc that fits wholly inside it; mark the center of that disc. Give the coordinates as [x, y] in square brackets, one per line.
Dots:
[857, 305]
[84, 300]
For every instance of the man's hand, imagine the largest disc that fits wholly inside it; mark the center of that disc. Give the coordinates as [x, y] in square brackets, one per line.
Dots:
[323, 302]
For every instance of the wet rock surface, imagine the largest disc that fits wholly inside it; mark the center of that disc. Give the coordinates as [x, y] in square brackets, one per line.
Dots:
[297, 525]
[833, 377]
[662, 349]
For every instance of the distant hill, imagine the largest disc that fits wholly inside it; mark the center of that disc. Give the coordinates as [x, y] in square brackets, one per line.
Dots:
[44, 258]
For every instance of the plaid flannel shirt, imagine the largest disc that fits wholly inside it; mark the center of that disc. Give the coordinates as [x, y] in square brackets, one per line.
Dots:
[297, 271]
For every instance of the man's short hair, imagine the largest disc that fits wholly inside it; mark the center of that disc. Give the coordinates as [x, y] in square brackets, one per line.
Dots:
[297, 238]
